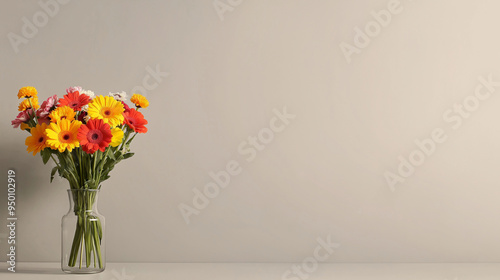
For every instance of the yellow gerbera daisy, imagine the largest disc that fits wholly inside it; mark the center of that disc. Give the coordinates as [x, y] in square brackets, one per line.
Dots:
[106, 108]
[25, 105]
[37, 141]
[61, 113]
[27, 92]
[139, 101]
[117, 137]
[63, 135]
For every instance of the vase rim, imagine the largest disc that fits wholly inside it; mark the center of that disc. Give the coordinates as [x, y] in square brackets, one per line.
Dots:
[83, 190]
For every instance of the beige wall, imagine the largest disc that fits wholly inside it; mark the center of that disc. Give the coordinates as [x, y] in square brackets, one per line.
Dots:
[322, 173]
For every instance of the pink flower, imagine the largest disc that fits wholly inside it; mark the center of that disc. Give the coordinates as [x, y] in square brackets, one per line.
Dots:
[127, 108]
[73, 89]
[45, 119]
[47, 106]
[23, 116]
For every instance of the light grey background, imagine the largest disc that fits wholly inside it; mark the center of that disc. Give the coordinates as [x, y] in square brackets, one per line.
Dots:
[321, 176]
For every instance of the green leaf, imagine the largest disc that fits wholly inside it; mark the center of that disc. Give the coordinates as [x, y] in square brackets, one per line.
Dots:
[104, 178]
[90, 183]
[127, 155]
[52, 173]
[110, 164]
[45, 155]
[112, 155]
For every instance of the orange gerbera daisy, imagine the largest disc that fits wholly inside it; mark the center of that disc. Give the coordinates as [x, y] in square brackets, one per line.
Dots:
[60, 113]
[63, 135]
[74, 100]
[27, 92]
[36, 142]
[24, 126]
[135, 120]
[139, 101]
[95, 135]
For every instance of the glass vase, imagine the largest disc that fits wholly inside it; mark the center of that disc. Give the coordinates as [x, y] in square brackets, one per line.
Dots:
[83, 234]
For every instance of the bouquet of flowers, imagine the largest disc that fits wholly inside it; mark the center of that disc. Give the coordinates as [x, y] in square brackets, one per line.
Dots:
[86, 136]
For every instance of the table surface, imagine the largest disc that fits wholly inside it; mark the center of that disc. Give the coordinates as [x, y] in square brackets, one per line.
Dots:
[264, 271]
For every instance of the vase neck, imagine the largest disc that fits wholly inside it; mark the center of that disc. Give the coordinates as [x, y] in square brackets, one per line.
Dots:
[83, 201]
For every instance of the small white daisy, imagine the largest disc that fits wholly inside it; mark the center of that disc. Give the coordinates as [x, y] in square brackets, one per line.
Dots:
[120, 96]
[89, 93]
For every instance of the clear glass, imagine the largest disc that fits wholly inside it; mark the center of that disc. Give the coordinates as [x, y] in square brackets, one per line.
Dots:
[83, 234]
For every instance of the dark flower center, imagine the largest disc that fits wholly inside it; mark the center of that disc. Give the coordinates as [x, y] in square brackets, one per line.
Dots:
[107, 112]
[66, 137]
[40, 140]
[74, 104]
[95, 136]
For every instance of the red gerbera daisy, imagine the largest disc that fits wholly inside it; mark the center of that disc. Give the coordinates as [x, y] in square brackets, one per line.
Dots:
[135, 120]
[74, 100]
[95, 135]
[82, 116]
[125, 106]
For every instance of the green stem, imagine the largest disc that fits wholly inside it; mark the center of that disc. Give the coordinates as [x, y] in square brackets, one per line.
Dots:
[97, 244]
[102, 165]
[127, 134]
[81, 251]
[70, 155]
[129, 141]
[97, 156]
[57, 163]
[74, 247]
[79, 155]
[33, 110]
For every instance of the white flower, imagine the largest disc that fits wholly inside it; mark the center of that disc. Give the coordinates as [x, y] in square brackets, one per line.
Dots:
[85, 108]
[86, 118]
[89, 93]
[120, 96]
